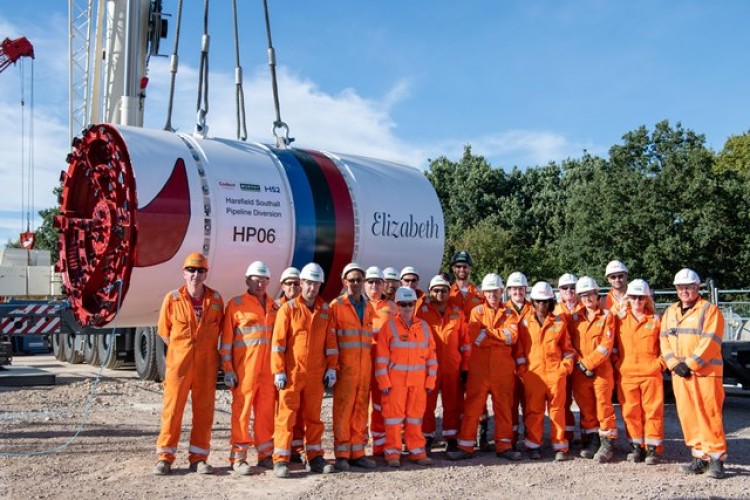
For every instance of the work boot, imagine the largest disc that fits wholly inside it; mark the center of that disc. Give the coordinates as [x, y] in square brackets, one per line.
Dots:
[561, 456]
[451, 445]
[606, 451]
[163, 468]
[394, 462]
[459, 455]
[509, 455]
[242, 468]
[281, 469]
[363, 462]
[428, 445]
[651, 457]
[484, 442]
[266, 463]
[590, 446]
[341, 464]
[636, 455]
[697, 466]
[424, 461]
[296, 458]
[318, 465]
[716, 469]
[533, 454]
[201, 467]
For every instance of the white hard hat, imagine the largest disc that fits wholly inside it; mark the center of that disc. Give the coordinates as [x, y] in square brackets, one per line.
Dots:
[438, 280]
[289, 272]
[258, 268]
[405, 294]
[638, 287]
[352, 266]
[542, 291]
[373, 273]
[492, 282]
[615, 267]
[567, 279]
[586, 284]
[518, 279]
[409, 270]
[390, 273]
[312, 272]
[686, 277]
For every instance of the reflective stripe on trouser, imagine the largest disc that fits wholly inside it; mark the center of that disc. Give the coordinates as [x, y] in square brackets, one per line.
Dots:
[303, 396]
[452, 399]
[298, 434]
[179, 381]
[351, 396]
[259, 402]
[699, 404]
[642, 406]
[477, 390]
[570, 419]
[594, 399]
[519, 401]
[377, 428]
[545, 390]
[403, 408]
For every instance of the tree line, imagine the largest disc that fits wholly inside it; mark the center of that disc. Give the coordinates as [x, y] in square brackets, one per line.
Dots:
[662, 200]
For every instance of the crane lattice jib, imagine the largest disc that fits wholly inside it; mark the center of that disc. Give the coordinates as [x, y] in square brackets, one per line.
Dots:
[12, 50]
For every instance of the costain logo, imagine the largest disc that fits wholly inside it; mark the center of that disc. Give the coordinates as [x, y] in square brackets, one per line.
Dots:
[227, 184]
[250, 187]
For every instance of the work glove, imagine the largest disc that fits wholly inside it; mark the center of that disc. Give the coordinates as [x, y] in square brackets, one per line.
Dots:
[584, 370]
[230, 379]
[330, 378]
[682, 370]
[279, 380]
[385, 391]
[463, 377]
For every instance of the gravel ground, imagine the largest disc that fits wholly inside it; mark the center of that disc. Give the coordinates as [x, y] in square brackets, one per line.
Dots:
[114, 454]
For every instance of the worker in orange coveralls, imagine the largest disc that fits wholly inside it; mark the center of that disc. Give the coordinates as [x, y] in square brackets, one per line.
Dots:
[593, 338]
[520, 306]
[571, 308]
[352, 319]
[493, 331]
[464, 293]
[452, 347]
[189, 323]
[639, 361]
[406, 368]
[692, 331]
[384, 309]
[545, 360]
[246, 357]
[303, 360]
[617, 298]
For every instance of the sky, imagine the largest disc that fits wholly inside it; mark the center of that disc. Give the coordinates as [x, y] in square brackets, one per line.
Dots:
[523, 82]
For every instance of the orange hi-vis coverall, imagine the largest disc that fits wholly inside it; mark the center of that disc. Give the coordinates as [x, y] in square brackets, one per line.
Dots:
[351, 393]
[694, 338]
[593, 342]
[406, 366]
[570, 419]
[452, 347]
[384, 309]
[492, 371]
[527, 311]
[641, 387]
[303, 347]
[466, 302]
[246, 350]
[192, 366]
[611, 304]
[544, 362]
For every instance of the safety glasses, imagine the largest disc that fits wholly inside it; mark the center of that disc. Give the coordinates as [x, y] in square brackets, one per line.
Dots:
[199, 270]
[405, 304]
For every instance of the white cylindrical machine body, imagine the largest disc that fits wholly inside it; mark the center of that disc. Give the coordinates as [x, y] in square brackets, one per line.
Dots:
[137, 201]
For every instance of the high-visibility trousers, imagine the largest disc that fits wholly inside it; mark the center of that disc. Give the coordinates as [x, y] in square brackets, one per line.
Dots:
[594, 399]
[303, 397]
[298, 435]
[351, 396]
[403, 409]
[545, 391]
[570, 419]
[202, 389]
[478, 388]
[699, 405]
[258, 402]
[518, 403]
[377, 427]
[642, 406]
[452, 399]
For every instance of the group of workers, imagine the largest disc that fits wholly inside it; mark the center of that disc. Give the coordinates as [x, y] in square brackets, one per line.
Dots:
[388, 350]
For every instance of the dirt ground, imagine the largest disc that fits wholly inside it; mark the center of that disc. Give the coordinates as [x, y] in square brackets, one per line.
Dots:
[114, 454]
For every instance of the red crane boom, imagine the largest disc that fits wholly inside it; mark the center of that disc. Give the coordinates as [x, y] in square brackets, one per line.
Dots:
[12, 50]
